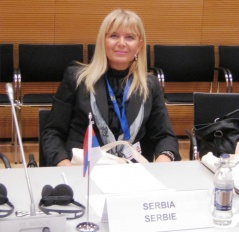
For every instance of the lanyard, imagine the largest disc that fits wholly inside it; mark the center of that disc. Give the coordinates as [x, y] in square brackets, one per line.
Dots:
[121, 116]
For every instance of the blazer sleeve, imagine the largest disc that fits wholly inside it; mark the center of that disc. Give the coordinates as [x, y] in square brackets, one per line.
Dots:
[55, 133]
[158, 127]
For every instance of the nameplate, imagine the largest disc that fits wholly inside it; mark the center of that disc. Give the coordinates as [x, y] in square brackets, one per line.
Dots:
[159, 211]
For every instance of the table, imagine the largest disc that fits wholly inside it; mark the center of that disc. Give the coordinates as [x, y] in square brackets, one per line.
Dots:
[182, 175]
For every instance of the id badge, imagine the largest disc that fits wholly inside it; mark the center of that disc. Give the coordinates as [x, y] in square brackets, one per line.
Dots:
[127, 151]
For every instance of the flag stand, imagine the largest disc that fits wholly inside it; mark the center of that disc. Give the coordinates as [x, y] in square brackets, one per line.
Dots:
[88, 226]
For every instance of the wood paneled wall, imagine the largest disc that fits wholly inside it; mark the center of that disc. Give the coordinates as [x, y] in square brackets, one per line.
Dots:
[77, 21]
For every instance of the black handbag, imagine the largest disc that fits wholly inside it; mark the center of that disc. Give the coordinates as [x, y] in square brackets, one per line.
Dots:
[218, 137]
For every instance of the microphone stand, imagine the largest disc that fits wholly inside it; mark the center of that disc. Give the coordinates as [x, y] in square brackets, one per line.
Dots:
[10, 95]
[36, 219]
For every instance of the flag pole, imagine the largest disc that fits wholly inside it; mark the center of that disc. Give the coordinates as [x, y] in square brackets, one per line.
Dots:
[88, 226]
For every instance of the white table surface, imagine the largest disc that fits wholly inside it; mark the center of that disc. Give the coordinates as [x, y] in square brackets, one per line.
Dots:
[183, 175]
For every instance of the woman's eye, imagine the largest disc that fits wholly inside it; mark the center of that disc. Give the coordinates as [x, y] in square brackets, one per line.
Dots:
[113, 36]
[130, 37]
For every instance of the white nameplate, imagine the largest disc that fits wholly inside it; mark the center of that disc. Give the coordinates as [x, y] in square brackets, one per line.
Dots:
[159, 211]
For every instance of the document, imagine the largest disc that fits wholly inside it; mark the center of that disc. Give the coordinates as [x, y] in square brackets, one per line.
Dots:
[124, 178]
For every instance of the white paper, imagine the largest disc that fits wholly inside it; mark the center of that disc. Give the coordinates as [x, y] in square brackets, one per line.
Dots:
[124, 178]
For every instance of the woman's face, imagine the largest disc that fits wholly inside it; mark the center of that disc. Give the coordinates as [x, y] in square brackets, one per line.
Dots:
[121, 47]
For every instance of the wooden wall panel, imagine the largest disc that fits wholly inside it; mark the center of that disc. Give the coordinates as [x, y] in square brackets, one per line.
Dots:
[77, 21]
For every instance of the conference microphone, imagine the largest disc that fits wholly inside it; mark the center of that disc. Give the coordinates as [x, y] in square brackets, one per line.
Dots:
[31, 163]
[37, 221]
[9, 91]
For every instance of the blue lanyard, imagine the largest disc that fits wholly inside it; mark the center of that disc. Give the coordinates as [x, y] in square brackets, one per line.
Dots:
[121, 116]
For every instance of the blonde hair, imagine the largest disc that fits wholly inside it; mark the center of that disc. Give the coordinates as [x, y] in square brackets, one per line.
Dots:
[92, 72]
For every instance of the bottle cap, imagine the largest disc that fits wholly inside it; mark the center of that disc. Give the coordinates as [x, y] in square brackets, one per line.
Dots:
[225, 156]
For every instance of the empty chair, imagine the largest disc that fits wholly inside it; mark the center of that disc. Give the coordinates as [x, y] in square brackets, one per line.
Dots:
[183, 70]
[6, 70]
[228, 61]
[41, 63]
[6, 76]
[210, 106]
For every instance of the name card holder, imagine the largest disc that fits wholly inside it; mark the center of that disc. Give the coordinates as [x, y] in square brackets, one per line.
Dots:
[159, 211]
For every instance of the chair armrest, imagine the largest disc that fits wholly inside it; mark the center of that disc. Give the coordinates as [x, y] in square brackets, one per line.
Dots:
[156, 72]
[226, 76]
[230, 79]
[159, 73]
[194, 155]
[5, 160]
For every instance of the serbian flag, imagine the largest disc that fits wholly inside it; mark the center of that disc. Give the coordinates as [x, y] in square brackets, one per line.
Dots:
[92, 151]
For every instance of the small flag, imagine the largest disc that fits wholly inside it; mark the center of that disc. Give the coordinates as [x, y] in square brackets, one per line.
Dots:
[91, 147]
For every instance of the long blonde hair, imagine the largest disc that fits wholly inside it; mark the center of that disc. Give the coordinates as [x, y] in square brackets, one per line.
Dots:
[91, 73]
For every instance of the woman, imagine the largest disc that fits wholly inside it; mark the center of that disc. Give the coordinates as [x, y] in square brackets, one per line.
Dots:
[125, 101]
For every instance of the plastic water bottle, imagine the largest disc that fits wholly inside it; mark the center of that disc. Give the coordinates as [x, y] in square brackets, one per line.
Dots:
[223, 192]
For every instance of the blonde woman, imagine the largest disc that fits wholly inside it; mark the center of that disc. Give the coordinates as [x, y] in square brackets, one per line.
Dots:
[126, 102]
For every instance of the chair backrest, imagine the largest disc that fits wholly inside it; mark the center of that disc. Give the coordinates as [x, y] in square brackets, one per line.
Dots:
[228, 59]
[6, 69]
[209, 106]
[47, 62]
[91, 50]
[6, 62]
[43, 116]
[44, 63]
[185, 63]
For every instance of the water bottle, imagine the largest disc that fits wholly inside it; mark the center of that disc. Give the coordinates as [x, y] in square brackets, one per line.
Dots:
[223, 192]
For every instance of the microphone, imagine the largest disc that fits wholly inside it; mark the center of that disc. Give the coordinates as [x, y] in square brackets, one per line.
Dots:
[36, 221]
[32, 163]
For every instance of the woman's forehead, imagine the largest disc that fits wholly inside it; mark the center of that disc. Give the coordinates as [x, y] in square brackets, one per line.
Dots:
[123, 28]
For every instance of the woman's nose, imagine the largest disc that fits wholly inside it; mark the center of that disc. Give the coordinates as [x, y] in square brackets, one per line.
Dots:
[121, 40]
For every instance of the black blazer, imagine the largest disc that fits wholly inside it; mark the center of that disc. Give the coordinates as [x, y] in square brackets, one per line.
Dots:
[68, 119]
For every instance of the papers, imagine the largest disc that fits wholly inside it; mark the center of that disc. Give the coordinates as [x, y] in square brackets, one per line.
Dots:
[124, 178]
[211, 162]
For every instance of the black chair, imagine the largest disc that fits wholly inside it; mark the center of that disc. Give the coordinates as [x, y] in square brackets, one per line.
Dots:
[91, 50]
[184, 64]
[42, 119]
[210, 106]
[228, 61]
[45, 63]
[6, 70]
[6, 76]
[43, 116]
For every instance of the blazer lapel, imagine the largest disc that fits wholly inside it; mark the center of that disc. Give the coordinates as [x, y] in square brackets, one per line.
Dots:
[101, 98]
[133, 107]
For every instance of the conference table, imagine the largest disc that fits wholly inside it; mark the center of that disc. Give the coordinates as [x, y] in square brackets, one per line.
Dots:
[180, 176]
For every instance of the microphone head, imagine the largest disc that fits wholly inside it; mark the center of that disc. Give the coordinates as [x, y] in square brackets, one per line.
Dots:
[9, 91]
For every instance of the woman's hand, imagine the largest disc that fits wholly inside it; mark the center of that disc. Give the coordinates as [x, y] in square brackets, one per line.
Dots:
[163, 158]
[64, 162]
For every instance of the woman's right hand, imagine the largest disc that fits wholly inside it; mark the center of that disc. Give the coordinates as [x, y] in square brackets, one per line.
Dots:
[64, 162]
